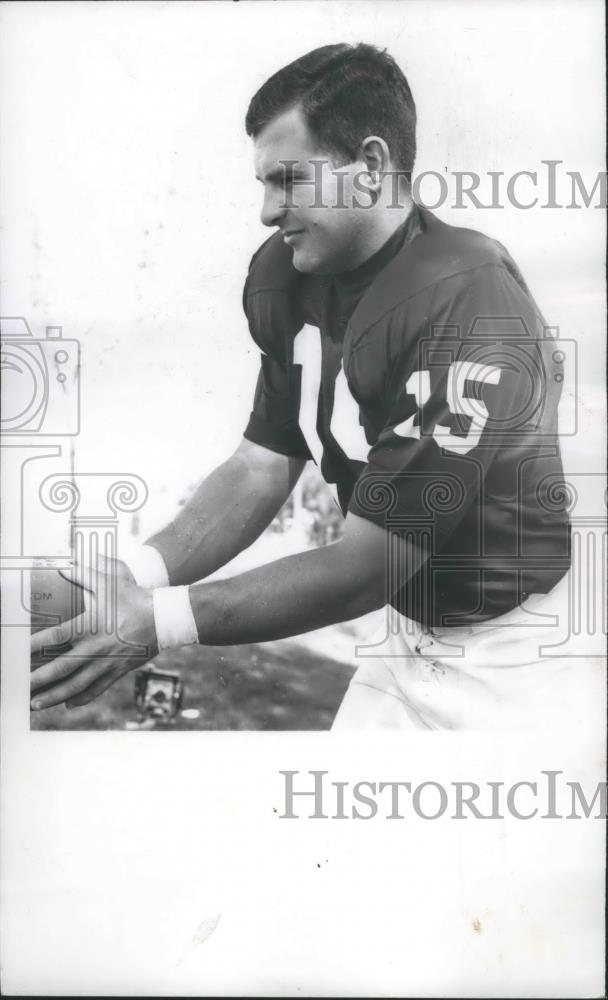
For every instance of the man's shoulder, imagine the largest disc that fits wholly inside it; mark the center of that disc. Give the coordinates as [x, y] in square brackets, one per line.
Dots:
[271, 267]
[439, 254]
[275, 296]
[444, 250]
[266, 298]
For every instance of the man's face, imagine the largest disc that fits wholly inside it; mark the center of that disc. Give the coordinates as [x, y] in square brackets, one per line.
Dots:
[302, 200]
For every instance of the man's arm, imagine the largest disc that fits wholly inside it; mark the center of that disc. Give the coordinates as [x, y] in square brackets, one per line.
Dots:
[305, 591]
[228, 512]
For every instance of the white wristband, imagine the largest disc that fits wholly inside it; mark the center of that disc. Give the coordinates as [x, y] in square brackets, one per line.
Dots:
[173, 618]
[148, 567]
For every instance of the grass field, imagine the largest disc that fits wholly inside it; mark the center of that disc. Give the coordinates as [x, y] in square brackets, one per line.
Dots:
[272, 686]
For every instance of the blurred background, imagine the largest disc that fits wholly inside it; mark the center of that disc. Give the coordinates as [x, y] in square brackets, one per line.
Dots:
[130, 212]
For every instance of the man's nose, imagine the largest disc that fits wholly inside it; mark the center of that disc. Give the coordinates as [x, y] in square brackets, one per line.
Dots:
[273, 208]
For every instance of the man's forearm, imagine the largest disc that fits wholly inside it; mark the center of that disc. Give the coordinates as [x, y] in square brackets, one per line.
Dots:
[229, 510]
[308, 590]
[296, 594]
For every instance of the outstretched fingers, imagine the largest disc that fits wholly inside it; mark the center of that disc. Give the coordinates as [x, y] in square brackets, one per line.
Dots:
[70, 665]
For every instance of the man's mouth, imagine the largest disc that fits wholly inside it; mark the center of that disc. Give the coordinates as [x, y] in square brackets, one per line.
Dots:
[290, 234]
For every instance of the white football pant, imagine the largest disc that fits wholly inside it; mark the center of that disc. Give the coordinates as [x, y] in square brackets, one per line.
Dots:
[537, 667]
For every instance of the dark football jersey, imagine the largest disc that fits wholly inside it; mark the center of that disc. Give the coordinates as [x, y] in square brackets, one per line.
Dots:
[425, 386]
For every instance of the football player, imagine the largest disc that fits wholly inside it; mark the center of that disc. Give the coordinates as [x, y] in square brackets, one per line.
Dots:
[408, 359]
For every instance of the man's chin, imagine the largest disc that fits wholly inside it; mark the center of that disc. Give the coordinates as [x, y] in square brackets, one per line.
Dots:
[307, 263]
[303, 262]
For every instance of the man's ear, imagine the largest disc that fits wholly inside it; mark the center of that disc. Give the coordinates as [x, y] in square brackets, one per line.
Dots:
[375, 154]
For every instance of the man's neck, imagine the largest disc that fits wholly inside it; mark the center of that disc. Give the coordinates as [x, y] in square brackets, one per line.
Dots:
[387, 221]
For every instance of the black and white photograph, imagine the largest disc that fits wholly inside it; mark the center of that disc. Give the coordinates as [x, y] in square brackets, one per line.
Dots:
[303, 327]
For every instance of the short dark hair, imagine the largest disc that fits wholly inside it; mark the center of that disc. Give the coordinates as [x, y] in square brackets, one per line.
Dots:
[346, 92]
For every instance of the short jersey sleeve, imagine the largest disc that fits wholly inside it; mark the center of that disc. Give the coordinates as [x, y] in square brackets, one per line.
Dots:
[267, 301]
[472, 392]
[273, 422]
